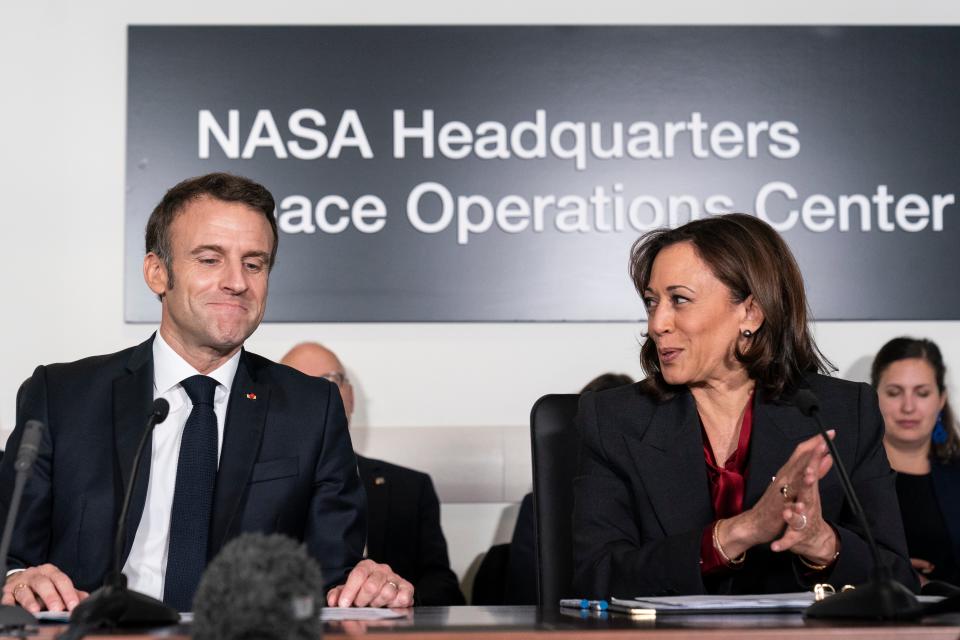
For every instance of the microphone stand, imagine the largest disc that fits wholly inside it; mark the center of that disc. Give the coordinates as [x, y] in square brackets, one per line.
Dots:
[12, 615]
[113, 604]
[882, 597]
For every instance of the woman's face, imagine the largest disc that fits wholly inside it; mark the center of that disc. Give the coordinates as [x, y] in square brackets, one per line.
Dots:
[693, 319]
[910, 401]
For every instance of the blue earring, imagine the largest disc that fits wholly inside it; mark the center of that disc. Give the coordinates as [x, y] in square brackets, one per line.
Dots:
[939, 431]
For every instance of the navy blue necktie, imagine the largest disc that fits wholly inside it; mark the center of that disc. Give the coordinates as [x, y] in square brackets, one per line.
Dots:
[192, 496]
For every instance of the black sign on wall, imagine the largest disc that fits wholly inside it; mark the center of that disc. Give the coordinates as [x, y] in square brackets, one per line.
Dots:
[502, 173]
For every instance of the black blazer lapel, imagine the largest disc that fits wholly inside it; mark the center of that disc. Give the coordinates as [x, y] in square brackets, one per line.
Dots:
[132, 402]
[246, 420]
[669, 462]
[378, 487]
[777, 430]
[946, 479]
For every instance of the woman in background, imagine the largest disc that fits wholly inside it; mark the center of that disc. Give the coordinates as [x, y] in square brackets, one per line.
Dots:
[923, 447]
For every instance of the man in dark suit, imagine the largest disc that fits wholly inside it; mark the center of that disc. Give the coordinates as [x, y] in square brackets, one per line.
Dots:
[404, 512]
[248, 445]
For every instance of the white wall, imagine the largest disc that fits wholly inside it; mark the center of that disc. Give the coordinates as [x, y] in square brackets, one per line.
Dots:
[62, 102]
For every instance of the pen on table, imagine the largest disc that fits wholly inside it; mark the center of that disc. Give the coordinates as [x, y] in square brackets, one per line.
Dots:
[583, 603]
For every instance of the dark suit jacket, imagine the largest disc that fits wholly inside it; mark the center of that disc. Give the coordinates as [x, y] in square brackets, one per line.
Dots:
[522, 566]
[642, 500]
[404, 530]
[946, 487]
[286, 464]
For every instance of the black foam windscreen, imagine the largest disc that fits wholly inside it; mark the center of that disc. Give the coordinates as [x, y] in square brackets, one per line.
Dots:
[806, 402]
[161, 408]
[29, 445]
[259, 586]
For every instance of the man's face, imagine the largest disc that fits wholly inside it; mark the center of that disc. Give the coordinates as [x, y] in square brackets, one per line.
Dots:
[220, 256]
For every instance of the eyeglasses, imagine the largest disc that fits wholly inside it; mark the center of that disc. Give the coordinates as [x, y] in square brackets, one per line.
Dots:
[338, 378]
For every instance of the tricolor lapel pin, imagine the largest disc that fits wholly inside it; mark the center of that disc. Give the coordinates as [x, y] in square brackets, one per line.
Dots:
[251, 396]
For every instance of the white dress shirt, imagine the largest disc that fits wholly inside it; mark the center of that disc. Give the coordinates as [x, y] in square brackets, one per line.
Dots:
[146, 566]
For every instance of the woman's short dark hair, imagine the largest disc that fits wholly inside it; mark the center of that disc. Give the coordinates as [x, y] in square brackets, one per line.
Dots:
[221, 186]
[905, 348]
[750, 258]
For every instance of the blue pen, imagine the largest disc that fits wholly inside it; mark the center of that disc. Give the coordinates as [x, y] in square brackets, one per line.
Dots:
[575, 603]
[583, 603]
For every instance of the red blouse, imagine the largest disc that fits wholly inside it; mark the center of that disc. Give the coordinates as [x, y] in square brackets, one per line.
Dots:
[727, 487]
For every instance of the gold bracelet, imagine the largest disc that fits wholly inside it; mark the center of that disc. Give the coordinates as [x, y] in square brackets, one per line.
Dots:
[818, 567]
[733, 562]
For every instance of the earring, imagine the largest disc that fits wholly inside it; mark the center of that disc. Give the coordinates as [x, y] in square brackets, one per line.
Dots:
[939, 435]
[746, 333]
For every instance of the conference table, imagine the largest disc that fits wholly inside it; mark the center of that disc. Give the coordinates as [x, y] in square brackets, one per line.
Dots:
[515, 623]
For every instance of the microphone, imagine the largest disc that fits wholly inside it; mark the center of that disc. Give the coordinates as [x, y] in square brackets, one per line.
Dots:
[29, 446]
[113, 604]
[882, 597]
[259, 586]
[12, 615]
[161, 408]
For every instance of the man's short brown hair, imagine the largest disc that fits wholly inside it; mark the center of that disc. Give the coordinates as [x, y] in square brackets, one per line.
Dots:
[221, 186]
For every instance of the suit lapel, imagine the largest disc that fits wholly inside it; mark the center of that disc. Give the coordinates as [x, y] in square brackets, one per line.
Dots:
[378, 487]
[777, 430]
[132, 402]
[669, 462]
[246, 420]
[945, 480]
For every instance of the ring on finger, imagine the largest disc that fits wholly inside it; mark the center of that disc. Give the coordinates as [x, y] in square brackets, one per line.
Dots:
[785, 491]
[16, 589]
[395, 585]
[803, 522]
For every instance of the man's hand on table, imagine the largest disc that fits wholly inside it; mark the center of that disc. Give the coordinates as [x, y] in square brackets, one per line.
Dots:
[372, 584]
[43, 587]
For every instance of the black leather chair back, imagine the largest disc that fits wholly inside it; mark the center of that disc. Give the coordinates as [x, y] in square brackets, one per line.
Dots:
[555, 441]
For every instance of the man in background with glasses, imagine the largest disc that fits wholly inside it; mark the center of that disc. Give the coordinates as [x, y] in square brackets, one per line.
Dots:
[403, 509]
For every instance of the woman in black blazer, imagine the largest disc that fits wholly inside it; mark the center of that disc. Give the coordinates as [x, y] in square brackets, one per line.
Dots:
[703, 478]
[924, 448]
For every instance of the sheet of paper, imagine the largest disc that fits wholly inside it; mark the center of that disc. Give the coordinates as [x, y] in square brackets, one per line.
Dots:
[769, 602]
[759, 603]
[53, 616]
[330, 614]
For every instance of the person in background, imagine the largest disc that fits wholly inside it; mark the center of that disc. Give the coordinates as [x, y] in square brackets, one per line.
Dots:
[703, 478]
[403, 511]
[607, 381]
[521, 583]
[923, 446]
